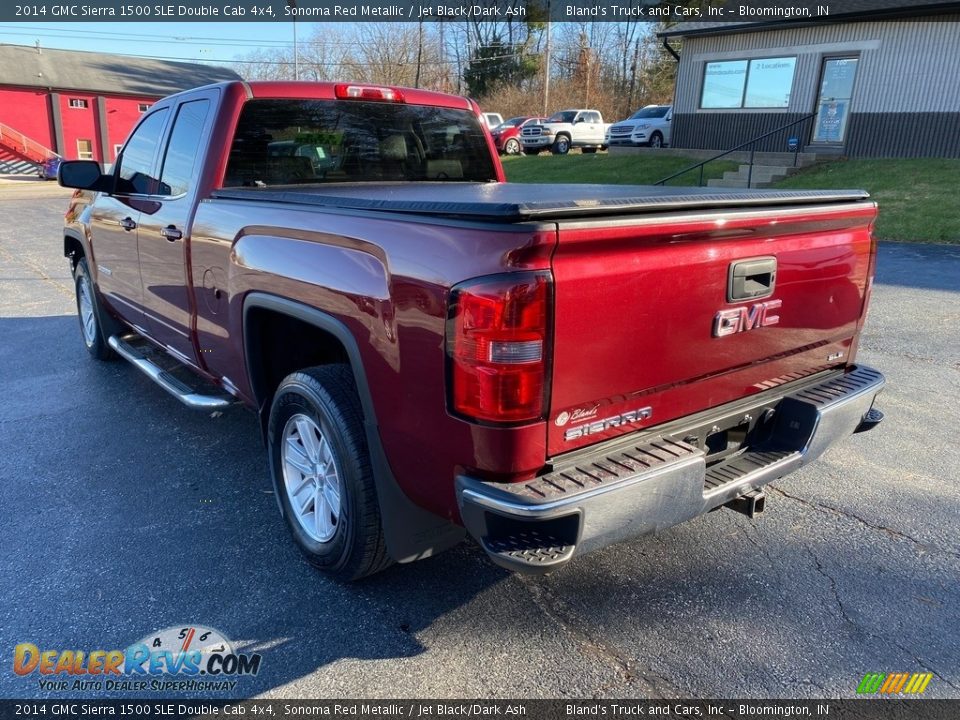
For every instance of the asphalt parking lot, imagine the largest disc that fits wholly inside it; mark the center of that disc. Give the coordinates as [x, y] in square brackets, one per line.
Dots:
[124, 513]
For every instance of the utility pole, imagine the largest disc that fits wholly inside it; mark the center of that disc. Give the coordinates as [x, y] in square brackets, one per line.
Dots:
[546, 68]
[296, 51]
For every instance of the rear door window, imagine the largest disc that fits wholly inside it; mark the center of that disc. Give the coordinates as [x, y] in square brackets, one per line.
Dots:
[183, 148]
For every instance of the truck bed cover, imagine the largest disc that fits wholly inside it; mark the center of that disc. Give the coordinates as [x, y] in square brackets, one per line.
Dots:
[516, 202]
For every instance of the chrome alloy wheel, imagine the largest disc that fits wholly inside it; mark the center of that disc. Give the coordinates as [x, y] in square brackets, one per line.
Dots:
[88, 321]
[310, 477]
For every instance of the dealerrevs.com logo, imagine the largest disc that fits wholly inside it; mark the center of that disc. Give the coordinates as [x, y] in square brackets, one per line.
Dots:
[187, 658]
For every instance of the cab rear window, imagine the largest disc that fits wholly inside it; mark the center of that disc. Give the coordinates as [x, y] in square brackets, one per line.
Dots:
[294, 141]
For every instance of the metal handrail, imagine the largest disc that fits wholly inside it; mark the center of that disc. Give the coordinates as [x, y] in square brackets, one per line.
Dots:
[700, 165]
[16, 140]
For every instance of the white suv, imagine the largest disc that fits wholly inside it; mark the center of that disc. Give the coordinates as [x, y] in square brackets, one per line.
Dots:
[649, 125]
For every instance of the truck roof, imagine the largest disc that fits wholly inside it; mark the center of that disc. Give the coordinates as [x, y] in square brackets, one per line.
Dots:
[514, 202]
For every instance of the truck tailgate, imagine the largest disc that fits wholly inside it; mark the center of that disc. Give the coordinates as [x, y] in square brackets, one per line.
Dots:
[660, 317]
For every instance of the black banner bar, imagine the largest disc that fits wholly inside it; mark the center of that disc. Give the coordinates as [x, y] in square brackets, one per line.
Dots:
[887, 709]
[458, 10]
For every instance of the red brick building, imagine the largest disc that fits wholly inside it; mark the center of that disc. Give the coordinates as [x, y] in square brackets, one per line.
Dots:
[81, 105]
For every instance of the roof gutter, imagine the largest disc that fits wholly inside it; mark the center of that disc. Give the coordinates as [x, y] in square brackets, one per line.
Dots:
[670, 50]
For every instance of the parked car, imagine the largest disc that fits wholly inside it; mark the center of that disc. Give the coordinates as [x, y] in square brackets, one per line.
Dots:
[548, 368]
[48, 168]
[492, 120]
[566, 129]
[506, 136]
[649, 126]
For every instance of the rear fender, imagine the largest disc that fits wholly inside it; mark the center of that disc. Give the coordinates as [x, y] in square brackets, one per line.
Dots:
[411, 532]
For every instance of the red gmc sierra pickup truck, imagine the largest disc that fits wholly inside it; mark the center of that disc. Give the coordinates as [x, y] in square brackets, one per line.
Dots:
[433, 351]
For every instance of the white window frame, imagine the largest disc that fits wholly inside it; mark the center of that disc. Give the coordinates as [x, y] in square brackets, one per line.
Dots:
[78, 103]
[81, 153]
[746, 83]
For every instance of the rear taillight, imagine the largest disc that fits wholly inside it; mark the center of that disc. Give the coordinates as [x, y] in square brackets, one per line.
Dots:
[497, 342]
[368, 92]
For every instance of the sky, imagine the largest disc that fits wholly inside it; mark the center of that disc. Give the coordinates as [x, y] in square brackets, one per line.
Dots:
[216, 42]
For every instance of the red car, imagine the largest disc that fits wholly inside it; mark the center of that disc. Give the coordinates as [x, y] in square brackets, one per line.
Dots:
[506, 136]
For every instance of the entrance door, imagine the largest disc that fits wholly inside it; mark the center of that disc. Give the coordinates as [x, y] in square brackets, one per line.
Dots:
[833, 104]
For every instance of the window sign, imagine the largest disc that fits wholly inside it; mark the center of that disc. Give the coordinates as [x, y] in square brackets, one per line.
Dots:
[831, 121]
[769, 83]
[723, 84]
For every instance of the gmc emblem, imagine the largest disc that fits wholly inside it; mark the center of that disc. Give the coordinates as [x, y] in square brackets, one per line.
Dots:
[728, 322]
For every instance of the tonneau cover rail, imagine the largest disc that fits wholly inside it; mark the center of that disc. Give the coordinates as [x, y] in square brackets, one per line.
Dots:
[515, 202]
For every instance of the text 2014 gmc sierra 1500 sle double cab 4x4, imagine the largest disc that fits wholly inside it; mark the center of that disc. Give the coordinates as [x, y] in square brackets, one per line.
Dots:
[433, 351]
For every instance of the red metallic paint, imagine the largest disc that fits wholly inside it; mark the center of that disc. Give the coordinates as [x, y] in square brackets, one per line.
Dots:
[635, 307]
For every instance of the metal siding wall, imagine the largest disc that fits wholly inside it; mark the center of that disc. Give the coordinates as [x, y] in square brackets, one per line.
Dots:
[703, 131]
[905, 67]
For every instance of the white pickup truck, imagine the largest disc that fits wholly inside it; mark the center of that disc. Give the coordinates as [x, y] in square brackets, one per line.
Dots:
[566, 129]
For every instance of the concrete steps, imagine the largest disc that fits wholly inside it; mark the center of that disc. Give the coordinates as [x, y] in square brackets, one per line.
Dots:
[762, 176]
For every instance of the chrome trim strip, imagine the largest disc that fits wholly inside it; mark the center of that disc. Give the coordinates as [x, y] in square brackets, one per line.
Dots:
[716, 215]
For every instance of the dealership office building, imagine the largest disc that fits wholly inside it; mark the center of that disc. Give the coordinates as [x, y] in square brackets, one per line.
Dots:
[863, 84]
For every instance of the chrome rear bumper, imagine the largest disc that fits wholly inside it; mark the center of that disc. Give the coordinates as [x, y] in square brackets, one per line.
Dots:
[593, 498]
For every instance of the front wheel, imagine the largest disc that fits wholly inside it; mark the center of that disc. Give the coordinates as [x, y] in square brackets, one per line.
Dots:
[91, 327]
[322, 475]
[656, 140]
[562, 145]
[512, 147]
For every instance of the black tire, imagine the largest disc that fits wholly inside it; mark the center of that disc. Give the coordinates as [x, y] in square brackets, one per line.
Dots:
[588, 150]
[512, 147]
[531, 151]
[561, 146]
[94, 335]
[656, 140]
[327, 395]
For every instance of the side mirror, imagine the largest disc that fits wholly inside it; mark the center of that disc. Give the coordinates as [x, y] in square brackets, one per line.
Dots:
[579, 120]
[82, 175]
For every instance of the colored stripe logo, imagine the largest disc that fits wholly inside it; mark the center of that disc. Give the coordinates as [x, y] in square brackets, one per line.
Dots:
[894, 683]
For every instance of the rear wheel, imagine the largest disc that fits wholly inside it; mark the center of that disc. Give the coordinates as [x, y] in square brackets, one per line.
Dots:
[88, 309]
[561, 145]
[322, 473]
[512, 147]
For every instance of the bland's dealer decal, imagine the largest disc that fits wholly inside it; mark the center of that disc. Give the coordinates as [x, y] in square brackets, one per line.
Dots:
[179, 658]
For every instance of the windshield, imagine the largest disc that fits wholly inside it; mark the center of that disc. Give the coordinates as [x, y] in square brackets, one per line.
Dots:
[654, 111]
[565, 116]
[294, 141]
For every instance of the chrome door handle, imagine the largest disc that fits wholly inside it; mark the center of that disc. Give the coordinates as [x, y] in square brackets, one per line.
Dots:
[128, 224]
[171, 233]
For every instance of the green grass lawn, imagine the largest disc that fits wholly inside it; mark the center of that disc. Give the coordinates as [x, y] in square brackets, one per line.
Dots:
[603, 168]
[918, 198]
